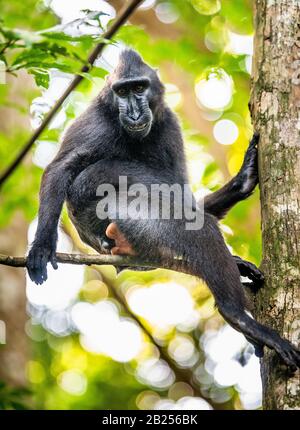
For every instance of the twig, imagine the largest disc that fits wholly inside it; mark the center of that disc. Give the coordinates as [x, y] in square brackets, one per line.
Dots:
[115, 260]
[120, 20]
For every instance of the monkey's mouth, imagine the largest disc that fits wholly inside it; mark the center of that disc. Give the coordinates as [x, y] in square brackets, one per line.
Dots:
[137, 127]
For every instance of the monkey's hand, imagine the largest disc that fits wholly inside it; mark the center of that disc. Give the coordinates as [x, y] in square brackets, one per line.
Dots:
[39, 255]
[247, 178]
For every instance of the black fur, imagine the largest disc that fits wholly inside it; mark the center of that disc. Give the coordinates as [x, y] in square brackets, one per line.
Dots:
[99, 147]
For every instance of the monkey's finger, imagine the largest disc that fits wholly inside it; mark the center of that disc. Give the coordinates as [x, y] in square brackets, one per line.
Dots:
[31, 274]
[35, 276]
[53, 261]
[36, 270]
[43, 267]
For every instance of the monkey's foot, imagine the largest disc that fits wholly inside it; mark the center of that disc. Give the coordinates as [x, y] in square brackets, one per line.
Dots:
[250, 271]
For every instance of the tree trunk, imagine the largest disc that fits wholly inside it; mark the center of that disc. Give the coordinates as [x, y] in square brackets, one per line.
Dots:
[275, 105]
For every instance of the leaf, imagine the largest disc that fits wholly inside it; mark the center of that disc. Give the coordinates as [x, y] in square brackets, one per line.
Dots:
[28, 37]
[32, 54]
[94, 16]
[18, 406]
[98, 72]
[9, 34]
[20, 391]
[86, 76]
[41, 77]
[59, 35]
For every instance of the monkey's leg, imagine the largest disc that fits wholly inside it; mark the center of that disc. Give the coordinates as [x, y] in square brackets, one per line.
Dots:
[204, 254]
[120, 246]
[239, 188]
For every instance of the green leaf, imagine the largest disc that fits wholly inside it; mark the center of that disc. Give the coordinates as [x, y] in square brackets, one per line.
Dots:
[41, 77]
[19, 406]
[59, 35]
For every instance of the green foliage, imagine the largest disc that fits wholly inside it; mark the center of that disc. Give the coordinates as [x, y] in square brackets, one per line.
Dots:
[40, 52]
[13, 398]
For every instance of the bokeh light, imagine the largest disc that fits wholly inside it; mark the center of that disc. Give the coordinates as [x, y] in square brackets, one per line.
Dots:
[215, 92]
[225, 132]
[186, 403]
[147, 4]
[240, 44]
[166, 12]
[183, 351]
[73, 382]
[151, 303]
[206, 7]
[173, 96]
[156, 373]
[104, 332]
[44, 153]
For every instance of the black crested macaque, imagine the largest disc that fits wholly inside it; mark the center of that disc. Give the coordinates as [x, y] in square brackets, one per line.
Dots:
[129, 131]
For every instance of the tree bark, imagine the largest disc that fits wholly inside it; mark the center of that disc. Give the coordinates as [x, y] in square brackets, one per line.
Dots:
[275, 106]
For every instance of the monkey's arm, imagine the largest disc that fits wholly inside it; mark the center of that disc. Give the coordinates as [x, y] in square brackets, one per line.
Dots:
[239, 188]
[55, 182]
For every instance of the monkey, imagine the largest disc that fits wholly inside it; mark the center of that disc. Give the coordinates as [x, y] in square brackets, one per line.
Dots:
[128, 131]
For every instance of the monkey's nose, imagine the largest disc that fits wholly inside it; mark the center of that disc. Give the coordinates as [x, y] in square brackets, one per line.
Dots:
[134, 116]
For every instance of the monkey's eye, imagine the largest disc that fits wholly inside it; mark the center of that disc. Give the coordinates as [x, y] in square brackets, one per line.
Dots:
[122, 92]
[139, 89]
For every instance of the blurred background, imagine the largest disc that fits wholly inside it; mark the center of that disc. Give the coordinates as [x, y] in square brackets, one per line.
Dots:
[92, 338]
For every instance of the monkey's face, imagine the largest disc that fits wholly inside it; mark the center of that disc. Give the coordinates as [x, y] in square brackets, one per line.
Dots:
[132, 97]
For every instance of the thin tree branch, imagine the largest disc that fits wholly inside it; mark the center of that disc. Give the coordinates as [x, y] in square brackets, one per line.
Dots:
[119, 21]
[115, 260]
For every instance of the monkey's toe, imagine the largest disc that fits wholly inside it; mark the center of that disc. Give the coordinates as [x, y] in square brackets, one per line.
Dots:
[289, 354]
